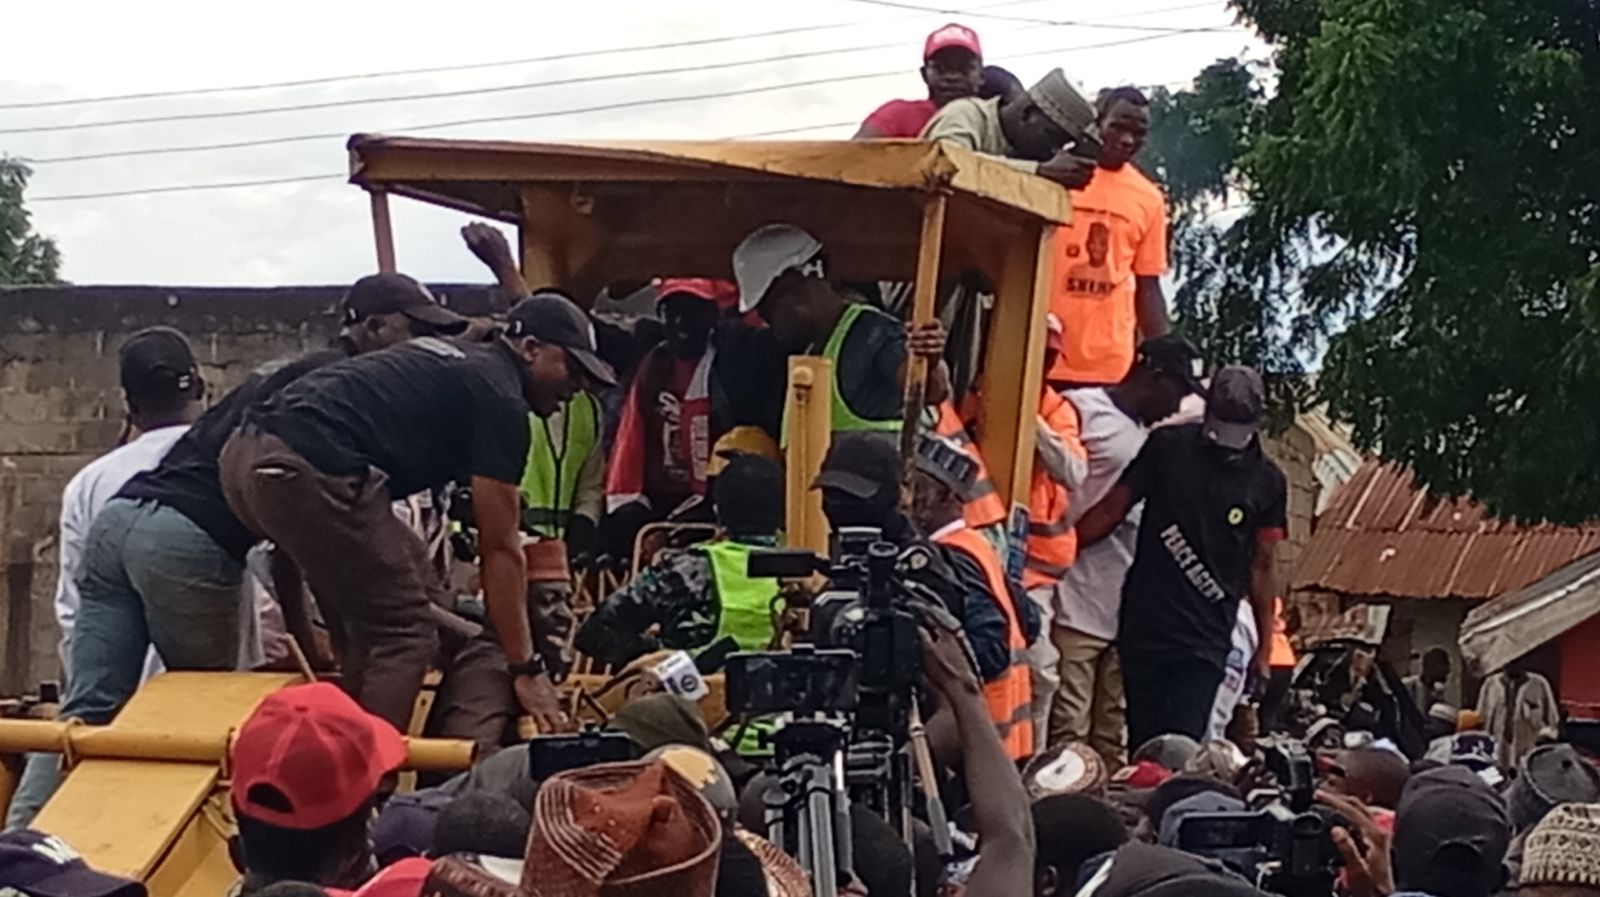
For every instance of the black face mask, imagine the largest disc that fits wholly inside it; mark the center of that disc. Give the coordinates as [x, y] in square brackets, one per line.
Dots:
[1232, 457]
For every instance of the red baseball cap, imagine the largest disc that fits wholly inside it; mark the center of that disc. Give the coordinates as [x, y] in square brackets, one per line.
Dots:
[321, 753]
[722, 292]
[952, 35]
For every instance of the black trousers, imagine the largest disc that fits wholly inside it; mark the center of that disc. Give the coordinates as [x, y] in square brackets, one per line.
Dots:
[1168, 695]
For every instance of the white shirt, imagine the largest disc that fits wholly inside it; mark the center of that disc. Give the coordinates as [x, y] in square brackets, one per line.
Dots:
[1089, 597]
[1235, 673]
[86, 493]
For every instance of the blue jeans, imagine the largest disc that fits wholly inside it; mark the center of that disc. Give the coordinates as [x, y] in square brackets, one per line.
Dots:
[149, 575]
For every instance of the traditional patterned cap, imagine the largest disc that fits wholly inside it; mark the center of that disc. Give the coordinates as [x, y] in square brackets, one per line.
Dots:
[1071, 769]
[1564, 849]
[784, 876]
[621, 830]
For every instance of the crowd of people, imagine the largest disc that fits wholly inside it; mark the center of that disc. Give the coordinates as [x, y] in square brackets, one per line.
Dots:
[418, 496]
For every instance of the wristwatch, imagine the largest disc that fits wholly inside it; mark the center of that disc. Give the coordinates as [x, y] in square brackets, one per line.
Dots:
[533, 666]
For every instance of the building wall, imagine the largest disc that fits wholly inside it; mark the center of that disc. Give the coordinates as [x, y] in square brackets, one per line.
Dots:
[61, 405]
[1295, 451]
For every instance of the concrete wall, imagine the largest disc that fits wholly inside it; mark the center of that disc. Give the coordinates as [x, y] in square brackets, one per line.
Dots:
[61, 405]
[1295, 451]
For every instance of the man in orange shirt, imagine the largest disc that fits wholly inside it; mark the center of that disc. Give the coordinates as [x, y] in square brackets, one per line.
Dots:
[1111, 258]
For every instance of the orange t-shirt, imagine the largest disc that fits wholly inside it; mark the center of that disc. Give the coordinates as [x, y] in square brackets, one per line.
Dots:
[1118, 232]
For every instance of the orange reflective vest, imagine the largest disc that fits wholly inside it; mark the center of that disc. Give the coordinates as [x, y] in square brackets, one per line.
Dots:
[1282, 655]
[1010, 697]
[1052, 541]
[984, 507]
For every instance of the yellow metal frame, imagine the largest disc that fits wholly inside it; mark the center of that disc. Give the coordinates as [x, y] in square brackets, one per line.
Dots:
[592, 214]
[146, 797]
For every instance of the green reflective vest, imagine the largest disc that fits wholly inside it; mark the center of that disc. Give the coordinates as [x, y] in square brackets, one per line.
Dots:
[745, 606]
[744, 603]
[843, 419]
[550, 481]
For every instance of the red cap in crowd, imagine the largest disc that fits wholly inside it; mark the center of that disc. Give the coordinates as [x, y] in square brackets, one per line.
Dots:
[952, 35]
[722, 292]
[318, 750]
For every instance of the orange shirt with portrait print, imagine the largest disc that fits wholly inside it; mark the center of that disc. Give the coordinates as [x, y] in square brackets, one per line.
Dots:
[1118, 232]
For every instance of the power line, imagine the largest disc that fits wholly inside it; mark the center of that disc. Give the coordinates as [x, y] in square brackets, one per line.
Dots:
[338, 175]
[554, 113]
[475, 91]
[475, 66]
[178, 188]
[185, 188]
[894, 4]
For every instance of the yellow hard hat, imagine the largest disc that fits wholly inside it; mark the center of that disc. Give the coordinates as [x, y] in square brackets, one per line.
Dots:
[747, 440]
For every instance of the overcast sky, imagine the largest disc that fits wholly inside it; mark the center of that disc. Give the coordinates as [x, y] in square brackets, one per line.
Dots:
[319, 231]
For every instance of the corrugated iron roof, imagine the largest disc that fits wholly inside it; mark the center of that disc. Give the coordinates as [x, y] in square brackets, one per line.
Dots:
[1382, 535]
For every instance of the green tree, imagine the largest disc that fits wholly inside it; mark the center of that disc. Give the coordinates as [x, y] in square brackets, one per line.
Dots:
[25, 257]
[1423, 185]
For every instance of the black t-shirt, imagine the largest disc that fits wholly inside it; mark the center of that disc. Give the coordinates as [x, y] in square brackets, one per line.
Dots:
[748, 378]
[188, 479]
[868, 372]
[1204, 515]
[426, 412]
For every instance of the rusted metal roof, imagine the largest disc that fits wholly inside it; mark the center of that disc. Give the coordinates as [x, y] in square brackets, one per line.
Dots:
[1382, 535]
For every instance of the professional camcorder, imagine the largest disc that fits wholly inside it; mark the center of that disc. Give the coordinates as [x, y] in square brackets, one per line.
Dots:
[847, 700]
[1283, 842]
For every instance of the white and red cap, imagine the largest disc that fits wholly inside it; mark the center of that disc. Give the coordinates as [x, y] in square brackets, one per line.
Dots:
[952, 35]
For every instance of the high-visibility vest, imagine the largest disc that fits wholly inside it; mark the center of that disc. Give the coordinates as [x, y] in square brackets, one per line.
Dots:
[983, 507]
[1052, 541]
[745, 602]
[550, 481]
[1010, 697]
[843, 419]
[745, 606]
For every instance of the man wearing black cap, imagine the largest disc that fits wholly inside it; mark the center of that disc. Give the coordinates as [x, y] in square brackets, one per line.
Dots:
[1451, 834]
[1113, 423]
[1214, 513]
[382, 310]
[314, 469]
[163, 390]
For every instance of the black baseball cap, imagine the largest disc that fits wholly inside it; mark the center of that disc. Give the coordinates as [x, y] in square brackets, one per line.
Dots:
[1233, 407]
[1172, 356]
[550, 317]
[861, 465]
[390, 293]
[157, 362]
[40, 865]
[1451, 832]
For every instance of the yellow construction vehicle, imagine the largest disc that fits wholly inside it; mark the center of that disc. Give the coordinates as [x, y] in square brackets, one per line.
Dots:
[146, 796]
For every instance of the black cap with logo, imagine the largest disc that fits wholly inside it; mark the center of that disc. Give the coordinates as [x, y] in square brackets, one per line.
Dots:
[156, 363]
[391, 293]
[550, 317]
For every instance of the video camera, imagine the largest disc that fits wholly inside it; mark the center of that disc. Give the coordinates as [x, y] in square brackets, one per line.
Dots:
[847, 700]
[858, 612]
[1283, 844]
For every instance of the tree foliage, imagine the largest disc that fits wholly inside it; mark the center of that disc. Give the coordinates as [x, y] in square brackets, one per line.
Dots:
[25, 257]
[1422, 184]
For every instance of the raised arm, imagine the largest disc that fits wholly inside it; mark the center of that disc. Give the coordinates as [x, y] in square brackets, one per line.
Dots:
[1000, 806]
